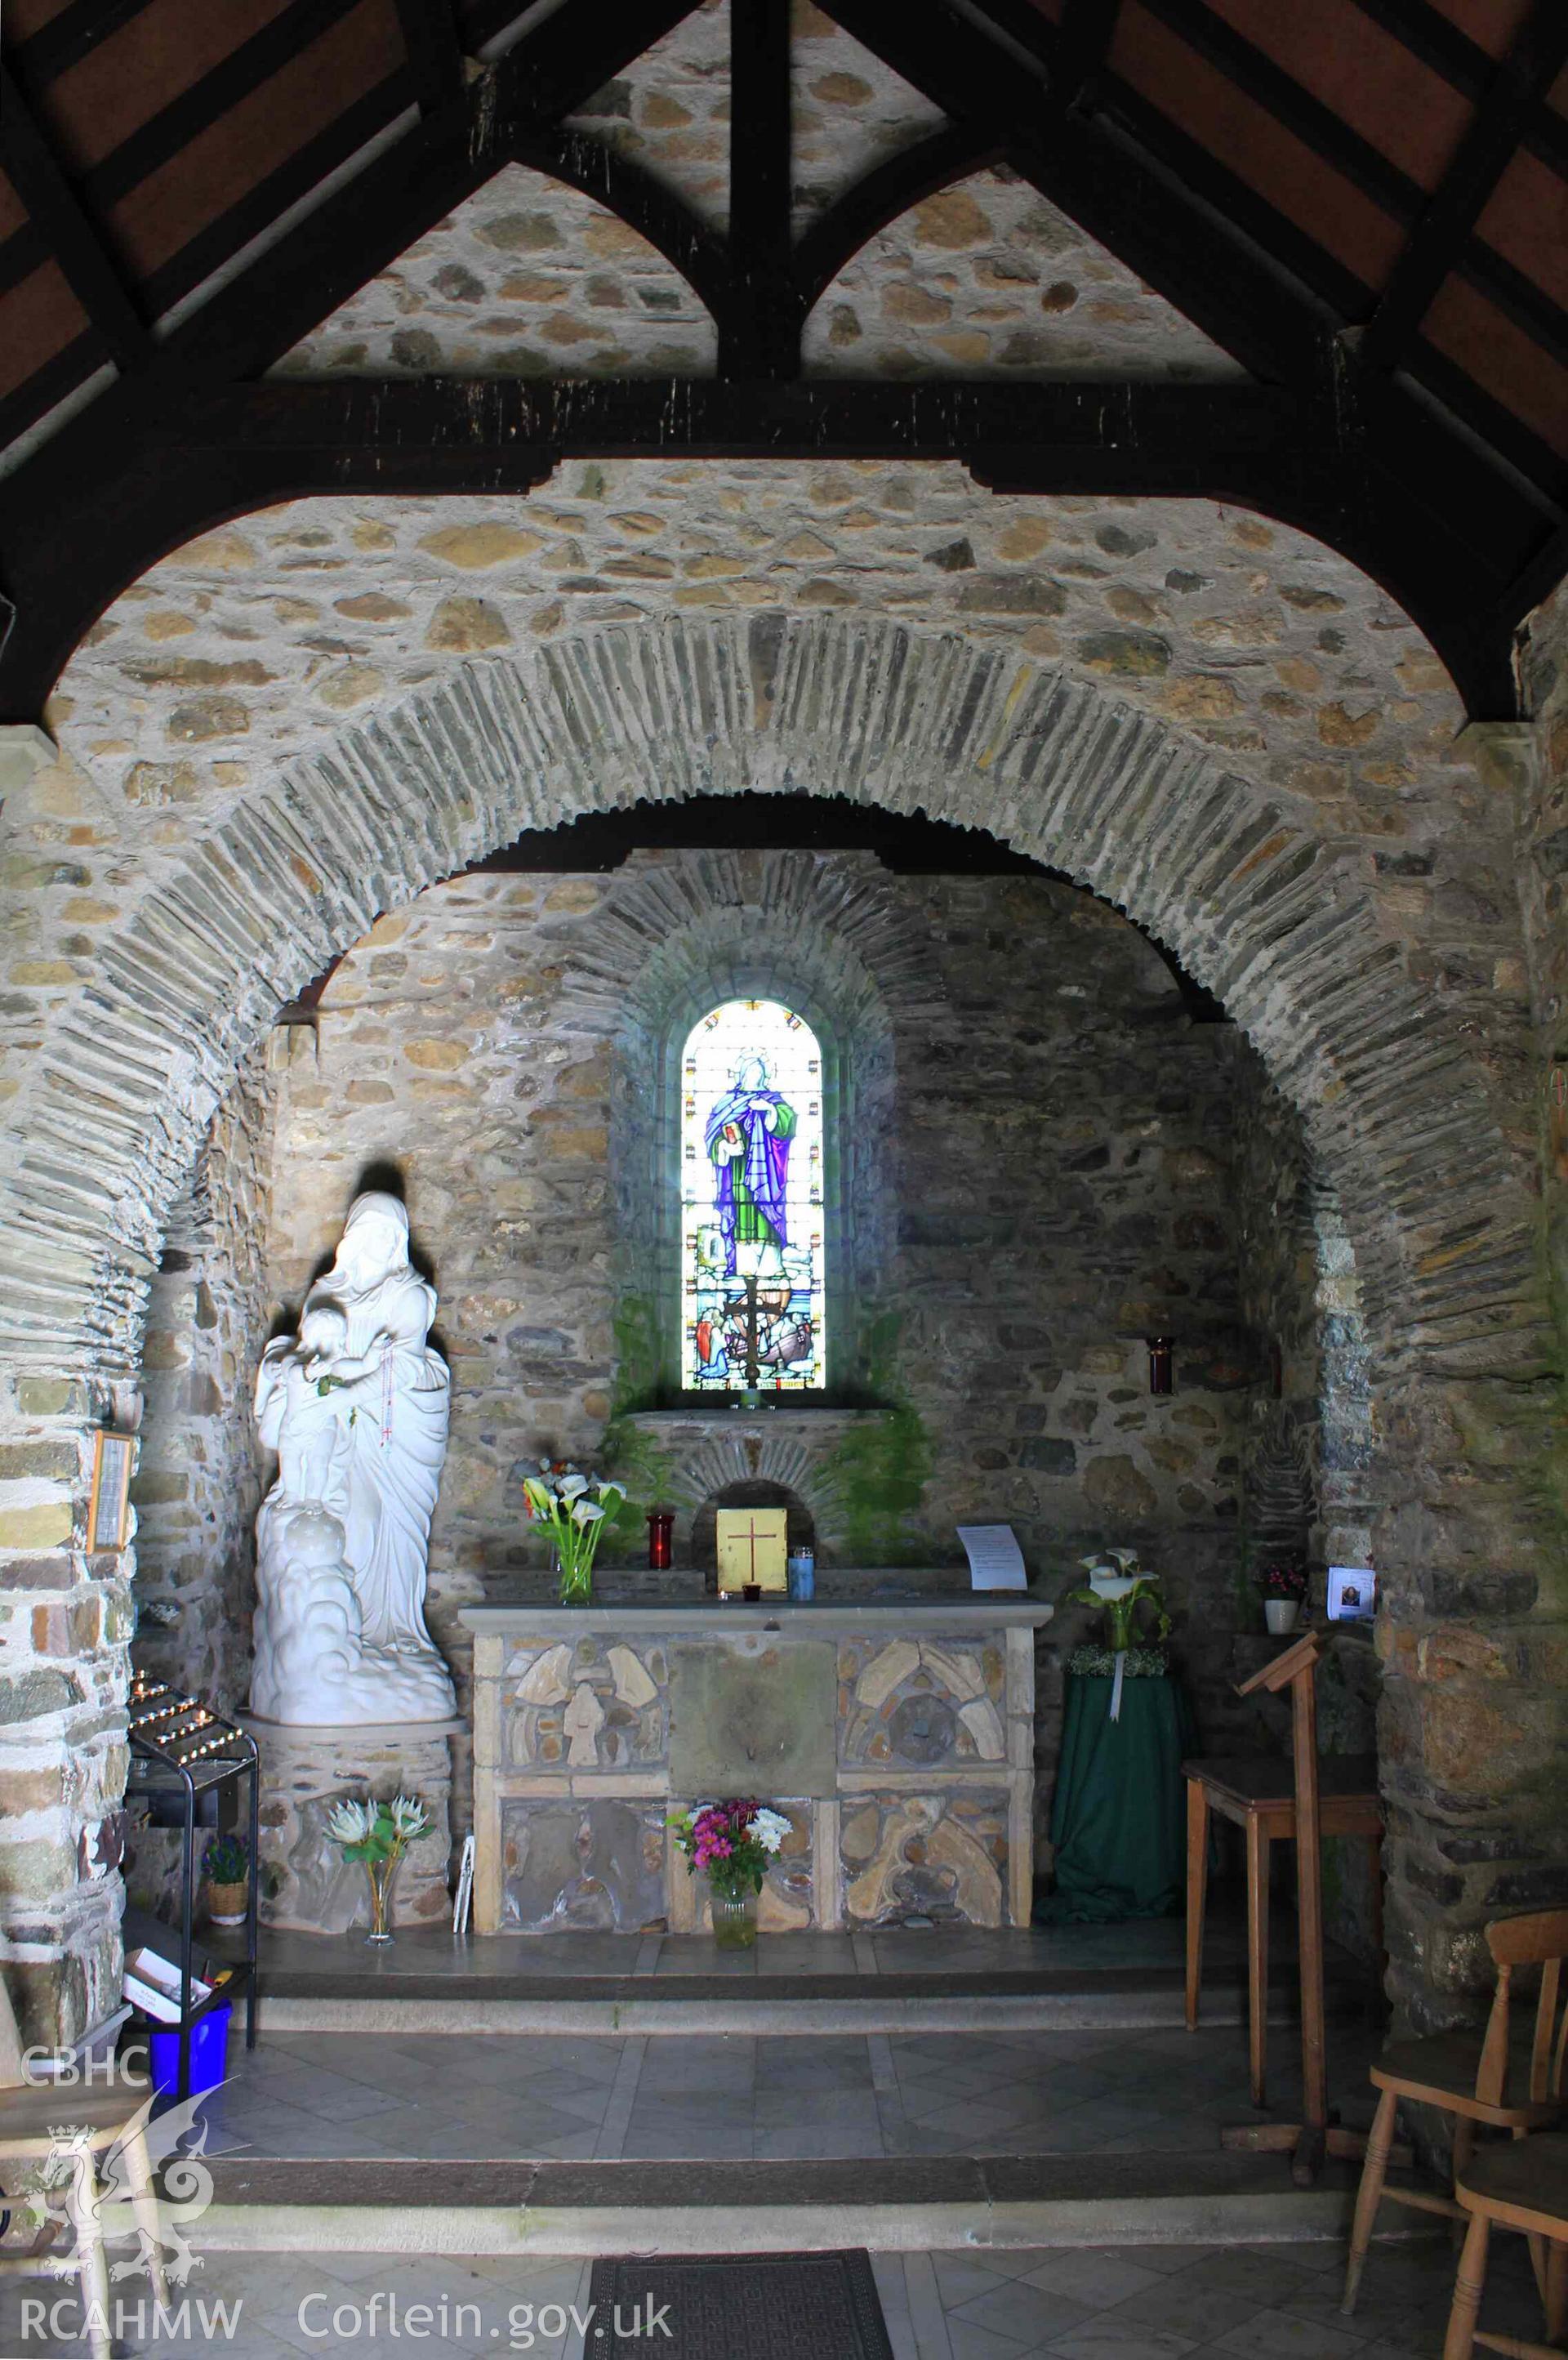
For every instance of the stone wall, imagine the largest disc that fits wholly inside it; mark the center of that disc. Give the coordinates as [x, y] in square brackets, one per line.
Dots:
[195, 1489]
[1059, 1163]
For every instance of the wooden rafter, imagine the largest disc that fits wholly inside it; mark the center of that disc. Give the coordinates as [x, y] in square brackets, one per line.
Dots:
[1117, 190]
[229, 81]
[760, 335]
[1356, 460]
[35, 173]
[1207, 32]
[70, 35]
[1440, 235]
[644, 203]
[435, 53]
[1082, 43]
[880, 196]
[246, 447]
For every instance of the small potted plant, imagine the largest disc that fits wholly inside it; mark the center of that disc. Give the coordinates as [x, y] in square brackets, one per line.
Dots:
[1283, 1585]
[225, 1865]
[733, 1844]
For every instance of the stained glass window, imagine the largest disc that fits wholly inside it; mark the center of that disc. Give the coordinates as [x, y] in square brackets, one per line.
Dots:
[751, 1200]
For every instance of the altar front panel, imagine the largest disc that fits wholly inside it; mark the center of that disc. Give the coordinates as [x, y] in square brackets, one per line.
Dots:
[899, 1740]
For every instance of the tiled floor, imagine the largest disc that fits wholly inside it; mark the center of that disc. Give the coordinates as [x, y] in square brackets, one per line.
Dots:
[729, 2097]
[1143, 2302]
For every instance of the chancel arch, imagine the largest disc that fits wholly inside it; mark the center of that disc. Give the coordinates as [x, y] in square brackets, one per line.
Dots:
[1283, 928]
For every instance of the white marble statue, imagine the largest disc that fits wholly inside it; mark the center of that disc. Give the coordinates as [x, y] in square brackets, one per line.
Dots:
[356, 1406]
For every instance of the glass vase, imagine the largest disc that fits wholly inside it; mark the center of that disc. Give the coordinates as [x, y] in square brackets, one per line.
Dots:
[734, 1919]
[382, 1874]
[576, 1581]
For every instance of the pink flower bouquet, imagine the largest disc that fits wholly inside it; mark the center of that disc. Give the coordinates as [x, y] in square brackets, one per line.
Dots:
[732, 1842]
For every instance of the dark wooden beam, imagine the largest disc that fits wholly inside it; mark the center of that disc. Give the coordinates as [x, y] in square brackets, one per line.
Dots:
[1438, 41]
[880, 196]
[644, 203]
[35, 173]
[1103, 179]
[1083, 39]
[568, 54]
[435, 53]
[1525, 75]
[1537, 580]
[243, 448]
[1319, 126]
[70, 35]
[246, 70]
[1080, 433]
[760, 329]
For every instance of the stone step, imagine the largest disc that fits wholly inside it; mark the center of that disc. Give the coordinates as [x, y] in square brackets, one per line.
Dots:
[888, 2204]
[1023, 1982]
[668, 2004]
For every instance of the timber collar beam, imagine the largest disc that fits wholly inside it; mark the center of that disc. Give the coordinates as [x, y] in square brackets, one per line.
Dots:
[192, 435]
[1319, 462]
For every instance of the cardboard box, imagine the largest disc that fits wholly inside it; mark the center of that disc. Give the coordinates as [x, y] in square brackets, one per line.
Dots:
[152, 1984]
[753, 1547]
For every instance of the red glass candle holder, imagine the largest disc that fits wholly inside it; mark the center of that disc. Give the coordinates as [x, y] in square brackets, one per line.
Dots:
[661, 1527]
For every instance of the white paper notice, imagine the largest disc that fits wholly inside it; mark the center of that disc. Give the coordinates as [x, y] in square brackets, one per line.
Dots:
[995, 1560]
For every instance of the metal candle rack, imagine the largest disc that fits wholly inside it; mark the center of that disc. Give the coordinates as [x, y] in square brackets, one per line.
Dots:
[181, 1749]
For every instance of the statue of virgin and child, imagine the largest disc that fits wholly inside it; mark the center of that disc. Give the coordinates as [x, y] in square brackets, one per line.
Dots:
[356, 1406]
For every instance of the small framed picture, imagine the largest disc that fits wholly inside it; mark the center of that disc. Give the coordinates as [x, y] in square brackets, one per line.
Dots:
[109, 1509]
[1351, 1593]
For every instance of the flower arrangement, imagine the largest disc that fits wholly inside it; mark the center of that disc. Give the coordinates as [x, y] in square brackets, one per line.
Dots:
[574, 1508]
[377, 1835]
[1119, 1584]
[731, 1842]
[1282, 1580]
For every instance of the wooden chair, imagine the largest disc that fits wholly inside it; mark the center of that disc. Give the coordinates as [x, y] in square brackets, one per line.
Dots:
[1261, 1796]
[1523, 2185]
[1473, 2081]
[31, 2118]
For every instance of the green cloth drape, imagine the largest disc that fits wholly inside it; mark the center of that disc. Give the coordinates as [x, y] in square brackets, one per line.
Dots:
[1119, 1822]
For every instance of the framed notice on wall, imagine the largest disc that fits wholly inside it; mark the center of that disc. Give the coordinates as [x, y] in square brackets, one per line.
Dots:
[1351, 1593]
[109, 1509]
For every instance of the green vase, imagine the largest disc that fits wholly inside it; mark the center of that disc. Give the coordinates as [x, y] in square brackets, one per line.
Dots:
[734, 1919]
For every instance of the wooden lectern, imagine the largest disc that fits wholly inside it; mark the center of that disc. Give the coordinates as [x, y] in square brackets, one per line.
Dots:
[1309, 2140]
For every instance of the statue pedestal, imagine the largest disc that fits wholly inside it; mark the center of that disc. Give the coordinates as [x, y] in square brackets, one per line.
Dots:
[305, 1883]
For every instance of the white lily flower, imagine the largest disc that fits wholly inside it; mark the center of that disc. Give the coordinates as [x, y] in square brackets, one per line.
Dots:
[409, 1818]
[605, 1490]
[348, 1822]
[584, 1511]
[573, 1485]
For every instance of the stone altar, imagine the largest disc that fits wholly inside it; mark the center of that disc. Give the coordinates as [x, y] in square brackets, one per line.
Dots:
[898, 1736]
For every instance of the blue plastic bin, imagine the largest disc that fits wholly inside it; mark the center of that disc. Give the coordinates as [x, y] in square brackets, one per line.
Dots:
[209, 2048]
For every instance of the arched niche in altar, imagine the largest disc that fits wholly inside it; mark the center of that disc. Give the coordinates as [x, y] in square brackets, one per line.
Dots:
[757, 1492]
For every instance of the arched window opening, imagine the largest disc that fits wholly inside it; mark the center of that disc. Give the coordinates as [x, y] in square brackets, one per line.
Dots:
[752, 1201]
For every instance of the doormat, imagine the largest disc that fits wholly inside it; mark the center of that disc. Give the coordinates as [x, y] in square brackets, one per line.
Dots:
[738, 2307]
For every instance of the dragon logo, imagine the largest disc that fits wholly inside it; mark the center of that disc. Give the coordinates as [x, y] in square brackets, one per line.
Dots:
[153, 2184]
